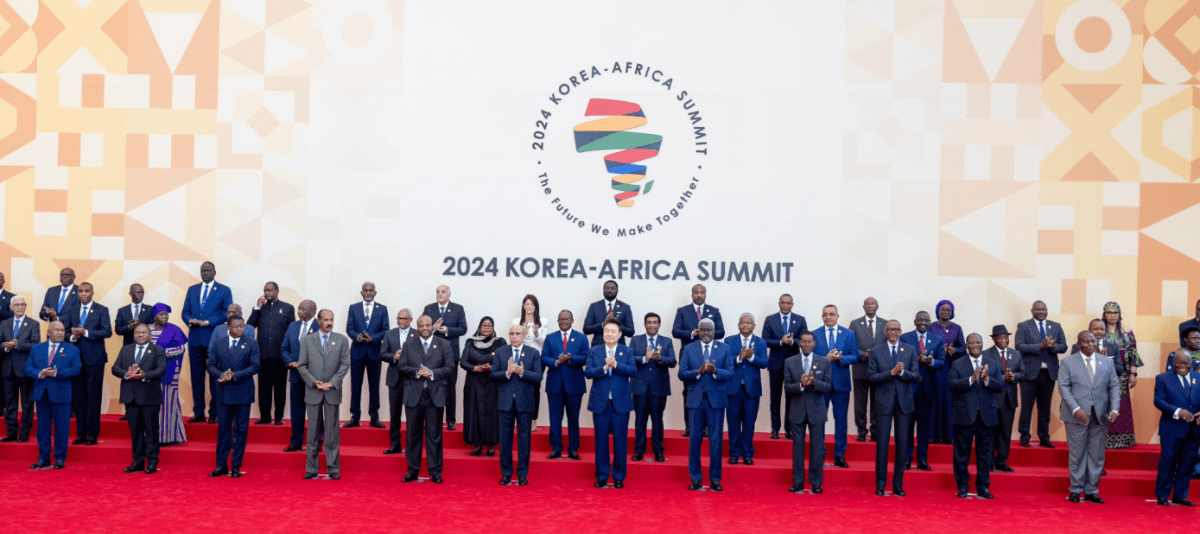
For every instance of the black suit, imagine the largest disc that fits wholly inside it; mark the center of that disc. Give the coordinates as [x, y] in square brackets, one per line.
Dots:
[125, 316]
[1006, 400]
[425, 399]
[773, 332]
[395, 383]
[455, 321]
[973, 414]
[18, 386]
[1038, 386]
[893, 402]
[271, 323]
[5, 308]
[87, 387]
[806, 414]
[516, 400]
[142, 398]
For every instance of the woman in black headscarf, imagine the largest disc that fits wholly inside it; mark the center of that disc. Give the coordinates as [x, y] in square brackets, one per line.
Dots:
[481, 423]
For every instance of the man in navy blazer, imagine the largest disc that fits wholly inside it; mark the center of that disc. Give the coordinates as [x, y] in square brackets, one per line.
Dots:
[203, 309]
[564, 353]
[88, 326]
[842, 354]
[60, 297]
[893, 371]
[654, 356]
[707, 366]
[1177, 396]
[782, 332]
[290, 352]
[140, 366]
[450, 323]
[601, 310]
[610, 366]
[931, 357]
[52, 365]
[807, 378]
[132, 315]
[233, 363]
[18, 334]
[366, 323]
[974, 382]
[6, 297]
[687, 330]
[390, 352]
[1040, 343]
[744, 388]
[517, 371]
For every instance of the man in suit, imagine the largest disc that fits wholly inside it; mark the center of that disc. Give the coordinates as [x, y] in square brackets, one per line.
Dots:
[744, 388]
[88, 325]
[781, 331]
[839, 346]
[1193, 322]
[517, 370]
[289, 350]
[686, 329]
[931, 357]
[128, 317]
[52, 364]
[707, 366]
[1177, 396]
[610, 366]
[807, 379]
[271, 318]
[893, 371]
[654, 355]
[204, 308]
[450, 323]
[1087, 383]
[1012, 371]
[564, 355]
[233, 363]
[60, 297]
[5, 301]
[222, 330]
[324, 362]
[426, 364]
[140, 366]
[1096, 327]
[974, 382]
[366, 322]
[604, 309]
[1039, 341]
[18, 334]
[390, 352]
[868, 331]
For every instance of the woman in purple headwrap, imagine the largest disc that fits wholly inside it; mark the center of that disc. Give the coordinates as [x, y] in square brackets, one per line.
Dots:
[956, 347]
[1121, 346]
[172, 340]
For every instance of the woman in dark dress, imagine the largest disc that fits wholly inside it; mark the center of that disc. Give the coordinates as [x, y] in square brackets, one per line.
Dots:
[952, 336]
[481, 422]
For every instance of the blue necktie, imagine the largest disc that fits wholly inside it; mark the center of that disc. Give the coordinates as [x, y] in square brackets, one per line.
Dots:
[137, 359]
[82, 315]
[1042, 329]
[653, 344]
[204, 296]
[893, 355]
[706, 349]
[62, 298]
[830, 332]
[16, 328]
[785, 325]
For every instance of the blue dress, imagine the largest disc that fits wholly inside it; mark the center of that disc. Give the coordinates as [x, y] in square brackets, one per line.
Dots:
[952, 336]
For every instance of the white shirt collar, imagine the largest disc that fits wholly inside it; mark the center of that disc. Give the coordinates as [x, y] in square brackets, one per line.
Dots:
[895, 345]
[144, 346]
[517, 349]
[746, 338]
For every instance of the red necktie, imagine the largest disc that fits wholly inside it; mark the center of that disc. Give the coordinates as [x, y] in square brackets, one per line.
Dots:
[610, 308]
[871, 328]
[922, 339]
[565, 343]
[50, 355]
[699, 312]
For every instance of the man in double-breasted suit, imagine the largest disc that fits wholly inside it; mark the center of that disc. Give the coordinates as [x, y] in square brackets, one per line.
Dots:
[1177, 397]
[233, 362]
[140, 366]
[88, 326]
[426, 363]
[1039, 341]
[744, 388]
[390, 351]
[133, 314]
[366, 322]
[601, 310]
[707, 366]
[686, 329]
[1012, 371]
[807, 378]
[974, 382]
[1091, 398]
[610, 366]
[324, 362]
[654, 356]
[52, 365]
[449, 323]
[517, 370]
[290, 351]
[18, 334]
[868, 332]
[564, 353]
[204, 309]
[781, 332]
[893, 368]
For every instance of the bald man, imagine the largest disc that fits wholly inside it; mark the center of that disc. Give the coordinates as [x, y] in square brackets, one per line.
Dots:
[18, 335]
[449, 323]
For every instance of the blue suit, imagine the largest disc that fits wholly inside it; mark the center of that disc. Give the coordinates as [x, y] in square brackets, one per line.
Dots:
[745, 390]
[1179, 439]
[927, 390]
[52, 299]
[89, 384]
[610, 402]
[651, 388]
[213, 310]
[706, 398]
[365, 357]
[685, 322]
[773, 332]
[516, 400]
[290, 352]
[232, 399]
[53, 396]
[565, 385]
[847, 343]
[593, 323]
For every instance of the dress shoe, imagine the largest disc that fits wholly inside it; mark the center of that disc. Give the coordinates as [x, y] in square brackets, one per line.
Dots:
[686, 433]
[195, 420]
[436, 479]
[557, 455]
[788, 436]
[235, 472]
[309, 476]
[1074, 497]
[899, 493]
[775, 434]
[1045, 445]
[79, 441]
[924, 466]
[350, 424]
[1003, 468]
[40, 465]
[985, 494]
[715, 486]
[1103, 472]
[1162, 502]
[818, 490]
[377, 424]
[962, 494]
[796, 488]
[8, 438]
[522, 481]
[92, 441]
[219, 472]
[151, 468]
[694, 486]
[879, 492]
[660, 458]
[212, 419]
[504, 481]
[409, 476]
[601, 483]
[1183, 502]
[335, 476]
[491, 451]
[278, 422]
[748, 461]
[59, 464]
[451, 427]
[1024, 443]
[292, 448]
[637, 457]
[574, 456]
[398, 450]
[618, 484]
[1093, 498]
[733, 460]
[135, 467]
[263, 422]
[861, 439]
[839, 461]
[23, 439]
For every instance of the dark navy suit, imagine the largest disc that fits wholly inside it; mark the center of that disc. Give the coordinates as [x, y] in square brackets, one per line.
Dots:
[610, 403]
[925, 391]
[516, 397]
[365, 357]
[1039, 386]
[290, 352]
[1178, 438]
[745, 390]
[593, 323]
[213, 310]
[975, 418]
[893, 402]
[707, 399]
[51, 301]
[232, 399]
[651, 388]
[125, 315]
[89, 385]
[18, 387]
[847, 343]
[773, 332]
[565, 385]
[53, 396]
[685, 322]
[455, 321]
[5, 304]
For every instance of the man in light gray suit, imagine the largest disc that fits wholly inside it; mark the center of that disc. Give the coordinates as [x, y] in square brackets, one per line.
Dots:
[868, 331]
[324, 362]
[1087, 382]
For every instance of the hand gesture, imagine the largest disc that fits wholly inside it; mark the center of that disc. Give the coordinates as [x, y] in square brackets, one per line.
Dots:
[610, 362]
[1047, 343]
[396, 357]
[1102, 350]
[1008, 375]
[8, 345]
[486, 367]
[49, 371]
[1080, 417]
[49, 312]
[562, 358]
[926, 358]
[1186, 415]
[710, 368]
[806, 379]
[656, 355]
[983, 372]
[834, 355]
[1112, 416]
[366, 338]
[787, 340]
[134, 322]
[261, 300]
[437, 325]
[696, 332]
[293, 365]
[78, 331]
[745, 353]
[978, 372]
[899, 368]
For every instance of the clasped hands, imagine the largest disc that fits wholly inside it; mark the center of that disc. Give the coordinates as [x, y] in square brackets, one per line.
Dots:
[78, 331]
[323, 386]
[787, 340]
[135, 373]
[834, 355]
[926, 358]
[610, 362]
[1047, 343]
[1187, 416]
[1082, 418]
[366, 338]
[227, 376]
[197, 323]
[1008, 375]
[708, 367]
[562, 358]
[48, 372]
[9, 345]
[806, 379]
[899, 368]
[483, 368]
[424, 372]
[515, 369]
[747, 352]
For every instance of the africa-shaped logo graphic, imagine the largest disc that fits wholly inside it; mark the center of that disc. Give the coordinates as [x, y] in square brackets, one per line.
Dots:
[612, 133]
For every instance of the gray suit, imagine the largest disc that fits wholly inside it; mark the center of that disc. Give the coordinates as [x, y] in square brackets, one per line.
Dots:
[807, 412]
[328, 364]
[1096, 397]
[18, 388]
[862, 382]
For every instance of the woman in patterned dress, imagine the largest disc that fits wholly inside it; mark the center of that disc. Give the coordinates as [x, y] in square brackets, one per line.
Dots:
[1122, 349]
[172, 340]
[955, 347]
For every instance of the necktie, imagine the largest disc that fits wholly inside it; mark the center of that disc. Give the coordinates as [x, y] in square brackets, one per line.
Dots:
[232, 342]
[893, 355]
[922, 341]
[871, 327]
[975, 363]
[1042, 329]
[1183, 380]
[785, 325]
[62, 298]
[82, 315]
[137, 311]
[16, 328]
[367, 312]
[829, 331]
[565, 338]
[50, 355]
[426, 347]
[745, 343]
[610, 308]
[324, 340]
[303, 331]
[204, 296]
[699, 312]
[654, 343]
[807, 363]
[443, 312]
[1091, 371]
[706, 349]
[138, 357]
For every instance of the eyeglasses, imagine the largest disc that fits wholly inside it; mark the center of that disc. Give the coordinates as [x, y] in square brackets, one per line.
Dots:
[21, 304]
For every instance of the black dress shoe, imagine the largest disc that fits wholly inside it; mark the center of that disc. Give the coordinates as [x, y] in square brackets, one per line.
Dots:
[40, 465]
[1074, 497]
[1183, 502]
[908, 467]
[694, 486]
[1162, 502]
[491, 451]
[1003, 468]
[219, 472]
[504, 481]
[135, 467]
[522, 481]
[861, 439]
[788, 436]
[1093, 498]
[879, 492]
[924, 466]
[637, 457]
[660, 458]
[899, 493]
[796, 488]
[278, 422]
[618, 484]
[985, 494]
[8, 438]
[574, 456]
[92, 441]
[733, 460]
[715, 486]
[293, 448]
[235, 472]
[601, 483]
[151, 468]
[263, 422]
[398, 450]
[451, 427]
[212, 419]
[436, 479]
[818, 490]
[1024, 443]
[748, 461]
[309, 476]
[839, 461]
[557, 455]
[195, 420]
[335, 476]
[350, 424]
[22, 439]
[1045, 445]
[775, 434]
[377, 424]
[409, 477]
[59, 464]
[79, 441]
[962, 494]
[686, 433]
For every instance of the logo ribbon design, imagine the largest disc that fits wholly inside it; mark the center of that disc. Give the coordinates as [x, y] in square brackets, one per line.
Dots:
[611, 133]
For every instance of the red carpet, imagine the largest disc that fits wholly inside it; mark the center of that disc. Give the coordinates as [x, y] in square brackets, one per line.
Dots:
[370, 497]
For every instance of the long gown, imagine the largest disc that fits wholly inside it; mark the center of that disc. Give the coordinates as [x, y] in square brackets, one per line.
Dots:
[481, 421]
[943, 431]
[1120, 432]
[170, 418]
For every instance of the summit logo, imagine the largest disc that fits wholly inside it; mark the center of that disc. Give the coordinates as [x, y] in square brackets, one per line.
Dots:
[612, 133]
